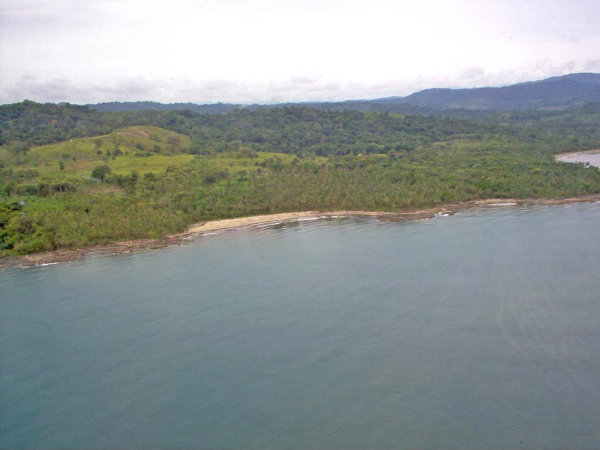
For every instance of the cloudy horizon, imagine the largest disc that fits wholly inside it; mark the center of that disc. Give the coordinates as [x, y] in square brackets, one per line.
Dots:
[266, 51]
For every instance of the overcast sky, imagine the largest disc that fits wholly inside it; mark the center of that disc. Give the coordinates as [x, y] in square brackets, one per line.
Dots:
[266, 51]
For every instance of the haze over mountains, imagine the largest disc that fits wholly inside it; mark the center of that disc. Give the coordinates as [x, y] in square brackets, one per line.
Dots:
[556, 92]
[553, 93]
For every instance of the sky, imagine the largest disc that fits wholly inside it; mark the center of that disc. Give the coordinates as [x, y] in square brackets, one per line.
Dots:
[270, 51]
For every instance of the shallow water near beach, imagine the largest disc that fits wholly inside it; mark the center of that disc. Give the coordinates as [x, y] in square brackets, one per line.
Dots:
[478, 330]
[593, 159]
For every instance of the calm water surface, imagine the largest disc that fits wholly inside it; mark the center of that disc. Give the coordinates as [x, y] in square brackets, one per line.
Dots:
[592, 158]
[480, 330]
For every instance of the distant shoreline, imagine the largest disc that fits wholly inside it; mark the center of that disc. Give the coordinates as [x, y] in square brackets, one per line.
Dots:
[558, 157]
[200, 229]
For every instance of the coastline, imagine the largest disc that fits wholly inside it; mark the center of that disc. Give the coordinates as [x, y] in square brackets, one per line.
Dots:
[202, 228]
[558, 156]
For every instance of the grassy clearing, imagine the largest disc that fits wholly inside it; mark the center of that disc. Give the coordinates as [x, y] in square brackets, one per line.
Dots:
[69, 164]
[132, 140]
[124, 165]
[140, 148]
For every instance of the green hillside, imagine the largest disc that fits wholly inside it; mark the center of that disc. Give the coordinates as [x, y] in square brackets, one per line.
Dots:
[132, 149]
[174, 168]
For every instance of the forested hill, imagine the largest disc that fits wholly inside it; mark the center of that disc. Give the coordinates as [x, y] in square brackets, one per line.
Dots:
[573, 90]
[294, 129]
[392, 105]
[215, 108]
[556, 92]
[71, 176]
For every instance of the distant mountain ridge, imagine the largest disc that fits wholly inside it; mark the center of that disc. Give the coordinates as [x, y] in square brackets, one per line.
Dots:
[558, 92]
[214, 108]
[555, 92]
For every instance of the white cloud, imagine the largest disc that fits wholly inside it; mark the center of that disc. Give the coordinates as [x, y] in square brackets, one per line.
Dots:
[268, 50]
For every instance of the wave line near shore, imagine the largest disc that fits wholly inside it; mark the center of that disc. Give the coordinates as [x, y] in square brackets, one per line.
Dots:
[202, 228]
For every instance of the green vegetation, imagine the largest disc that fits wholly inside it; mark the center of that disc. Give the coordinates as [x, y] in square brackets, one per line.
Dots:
[100, 177]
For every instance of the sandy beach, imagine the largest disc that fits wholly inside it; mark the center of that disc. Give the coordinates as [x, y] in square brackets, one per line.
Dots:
[409, 214]
[267, 219]
[202, 228]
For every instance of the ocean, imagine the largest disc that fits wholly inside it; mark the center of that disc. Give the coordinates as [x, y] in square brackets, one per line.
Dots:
[477, 330]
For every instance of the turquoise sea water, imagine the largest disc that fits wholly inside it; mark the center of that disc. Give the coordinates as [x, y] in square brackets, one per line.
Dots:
[479, 330]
